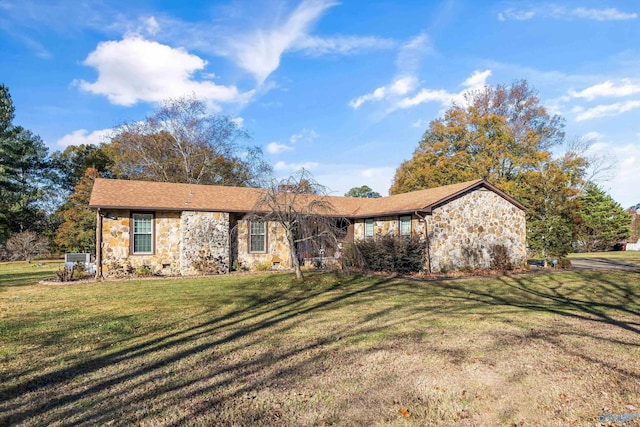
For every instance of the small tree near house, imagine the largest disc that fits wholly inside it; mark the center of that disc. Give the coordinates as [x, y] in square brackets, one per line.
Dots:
[299, 204]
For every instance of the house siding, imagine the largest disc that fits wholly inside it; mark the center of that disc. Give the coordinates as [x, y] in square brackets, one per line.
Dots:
[387, 225]
[185, 243]
[464, 232]
[277, 254]
[116, 237]
[206, 245]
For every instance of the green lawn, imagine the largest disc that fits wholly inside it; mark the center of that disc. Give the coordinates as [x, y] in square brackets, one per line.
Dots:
[22, 273]
[551, 348]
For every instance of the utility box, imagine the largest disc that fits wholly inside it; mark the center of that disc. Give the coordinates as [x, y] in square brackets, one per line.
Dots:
[71, 260]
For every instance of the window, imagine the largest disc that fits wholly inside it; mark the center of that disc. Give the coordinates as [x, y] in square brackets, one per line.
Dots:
[257, 236]
[142, 233]
[368, 228]
[405, 225]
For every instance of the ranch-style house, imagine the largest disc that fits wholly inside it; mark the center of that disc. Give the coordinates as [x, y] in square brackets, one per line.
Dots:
[188, 229]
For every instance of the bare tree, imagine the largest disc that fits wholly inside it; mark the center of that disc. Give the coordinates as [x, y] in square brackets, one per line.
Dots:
[182, 142]
[26, 245]
[301, 206]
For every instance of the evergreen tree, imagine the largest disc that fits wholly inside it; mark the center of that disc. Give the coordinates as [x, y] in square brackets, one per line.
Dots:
[24, 174]
[602, 222]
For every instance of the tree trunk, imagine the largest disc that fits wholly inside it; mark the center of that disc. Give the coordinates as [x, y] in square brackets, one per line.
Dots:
[295, 259]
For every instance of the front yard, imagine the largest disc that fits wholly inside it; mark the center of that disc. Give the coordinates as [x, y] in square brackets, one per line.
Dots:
[553, 348]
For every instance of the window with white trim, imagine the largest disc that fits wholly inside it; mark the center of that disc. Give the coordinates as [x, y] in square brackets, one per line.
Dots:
[142, 233]
[405, 225]
[257, 236]
[368, 228]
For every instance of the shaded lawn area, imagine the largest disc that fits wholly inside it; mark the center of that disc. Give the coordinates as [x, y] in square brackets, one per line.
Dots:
[21, 273]
[630, 258]
[553, 348]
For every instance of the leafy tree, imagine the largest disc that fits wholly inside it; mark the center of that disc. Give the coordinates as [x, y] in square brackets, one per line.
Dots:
[505, 135]
[552, 200]
[299, 205]
[25, 176]
[27, 244]
[181, 142]
[77, 232]
[71, 164]
[501, 134]
[363, 192]
[602, 221]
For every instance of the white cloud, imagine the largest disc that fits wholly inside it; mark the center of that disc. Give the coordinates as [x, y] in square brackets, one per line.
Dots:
[419, 123]
[134, 69]
[605, 110]
[516, 15]
[238, 121]
[259, 51]
[610, 14]
[276, 147]
[82, 136]
[561, 12]
[477, 80]
[151, 26]
[624, 87]
[344, 45]
[282, 166]
[398, 87]
[305, 135]
[410, 55]
[593, 136]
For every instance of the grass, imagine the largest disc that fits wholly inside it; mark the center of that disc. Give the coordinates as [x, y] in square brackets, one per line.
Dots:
[21, 273]
[553, 348]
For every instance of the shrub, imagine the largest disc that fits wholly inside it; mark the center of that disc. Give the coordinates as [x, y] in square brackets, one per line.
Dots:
[143, 271]
[65, 274]
[564, 263]
[500, 259]
[387, 253]
[80, 270]
[262, 266]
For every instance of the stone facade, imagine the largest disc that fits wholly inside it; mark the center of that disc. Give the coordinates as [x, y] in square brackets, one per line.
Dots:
[185, 243]
[116, 250]
[389, 225]
[205, 243]
[465, 232]
[277, 254]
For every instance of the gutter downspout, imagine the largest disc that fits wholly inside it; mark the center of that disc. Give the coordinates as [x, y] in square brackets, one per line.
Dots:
[426, 238]
[98, 245]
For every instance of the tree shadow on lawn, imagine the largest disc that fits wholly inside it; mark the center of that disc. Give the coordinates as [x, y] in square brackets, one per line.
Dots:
[153, 378]
[262, 313]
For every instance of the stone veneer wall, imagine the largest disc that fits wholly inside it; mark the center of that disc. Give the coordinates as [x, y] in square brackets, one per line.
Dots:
[116, 259]
[186, 243]
[205, 243]
[389, 225]
[277, 254]
[464, 232]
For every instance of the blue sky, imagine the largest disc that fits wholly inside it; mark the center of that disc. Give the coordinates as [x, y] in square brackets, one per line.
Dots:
[344, 89]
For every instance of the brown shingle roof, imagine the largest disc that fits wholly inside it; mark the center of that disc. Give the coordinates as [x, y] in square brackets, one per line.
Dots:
[146, 195]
